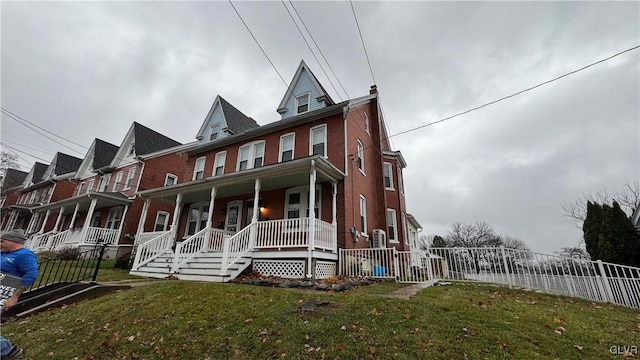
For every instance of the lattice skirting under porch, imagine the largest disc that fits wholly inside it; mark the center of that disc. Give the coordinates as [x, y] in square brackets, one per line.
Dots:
[325, 269]
[290, 269]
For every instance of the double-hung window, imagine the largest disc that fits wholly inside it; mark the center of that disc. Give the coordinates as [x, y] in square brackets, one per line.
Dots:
[318, 140]
[162, 220]
[104, 182]
[116, 184]
[363, 214]
[197, 218]
[392, 228]
[90, 187]
[81, 188]
[400, 181]
[170, 179]
[388, 176]
[130, 176]
[302, 103]
[215, 129]
[198, 169]
[286, 147]
[218, 164]
[360, 159]
[366, 123]
[250, 156]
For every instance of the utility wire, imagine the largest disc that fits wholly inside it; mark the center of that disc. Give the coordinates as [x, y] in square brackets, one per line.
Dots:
[362, 40]
[512, 95]
[29, 122]
[13, 150]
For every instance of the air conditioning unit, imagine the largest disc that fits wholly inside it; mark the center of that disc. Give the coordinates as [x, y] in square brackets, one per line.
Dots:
[379, 239]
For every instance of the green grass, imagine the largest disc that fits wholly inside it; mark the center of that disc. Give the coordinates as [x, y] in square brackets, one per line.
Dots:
[191, 320]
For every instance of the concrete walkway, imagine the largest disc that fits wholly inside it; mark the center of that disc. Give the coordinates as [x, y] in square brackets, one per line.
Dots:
[408, 292]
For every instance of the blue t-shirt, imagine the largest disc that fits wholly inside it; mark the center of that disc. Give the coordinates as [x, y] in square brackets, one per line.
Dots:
[22, 263]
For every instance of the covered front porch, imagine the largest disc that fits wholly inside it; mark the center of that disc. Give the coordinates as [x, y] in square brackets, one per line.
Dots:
[83, 220]
[217, 232]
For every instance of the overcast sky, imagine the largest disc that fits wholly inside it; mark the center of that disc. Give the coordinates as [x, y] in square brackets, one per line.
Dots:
[85, 69]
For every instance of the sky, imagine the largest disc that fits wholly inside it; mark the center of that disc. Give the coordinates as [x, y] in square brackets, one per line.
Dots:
[84, 70]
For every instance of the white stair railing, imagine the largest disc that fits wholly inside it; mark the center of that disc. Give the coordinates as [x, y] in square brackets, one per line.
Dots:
[39, 242]
[58, 240]
[152, 249]
[235, 247]
[189, 248]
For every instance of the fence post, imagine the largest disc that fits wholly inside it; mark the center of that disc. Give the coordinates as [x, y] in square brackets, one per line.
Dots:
[176, 256]
[95, 272]
[605, 280]
[506, 266]
[396, 268]
[225, 255]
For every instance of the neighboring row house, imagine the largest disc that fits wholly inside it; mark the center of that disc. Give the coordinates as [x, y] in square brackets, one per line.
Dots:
[280, 199]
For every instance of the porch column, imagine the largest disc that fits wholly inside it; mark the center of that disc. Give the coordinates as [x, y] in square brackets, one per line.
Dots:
[176, 215]
[44, 223]
[12, 220]
[207, 236]
[55, 227]
[312, 216]
[87, 220]
[116, 239]
[334, 235]
[143, 219]
[72, 223]
[253, 232]
[32, 223]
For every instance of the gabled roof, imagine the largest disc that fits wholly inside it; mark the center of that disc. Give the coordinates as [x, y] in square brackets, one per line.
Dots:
[103, 153]
[148, 141]
[296, 77]
[65, 164]
[38, 172]
[13, 177]
[235, 120]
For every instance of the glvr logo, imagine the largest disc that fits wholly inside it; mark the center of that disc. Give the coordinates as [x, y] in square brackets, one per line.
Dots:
[624, 350]
[2, 276]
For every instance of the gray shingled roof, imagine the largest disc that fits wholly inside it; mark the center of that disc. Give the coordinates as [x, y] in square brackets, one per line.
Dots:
[104, 153]
[148, 141]
[236, 120]
[38, 171]
[13, 177]
[66, 164]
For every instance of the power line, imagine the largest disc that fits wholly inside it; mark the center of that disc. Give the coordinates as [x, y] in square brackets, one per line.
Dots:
[362, 40]
[512, 95]
[41, 128]
[256, 40]
[13, 150]
[5, 112]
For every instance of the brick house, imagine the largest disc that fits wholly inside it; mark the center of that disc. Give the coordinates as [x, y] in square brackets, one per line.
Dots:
[11, 184]
[246, 202]
[101, 206]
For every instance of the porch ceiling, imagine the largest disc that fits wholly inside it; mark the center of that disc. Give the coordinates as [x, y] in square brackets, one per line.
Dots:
[277, 176]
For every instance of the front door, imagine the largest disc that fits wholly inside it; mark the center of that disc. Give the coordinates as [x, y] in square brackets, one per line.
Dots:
[234, 211]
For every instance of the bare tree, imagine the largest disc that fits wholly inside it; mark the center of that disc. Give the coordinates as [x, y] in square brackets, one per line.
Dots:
[628, 198]
[8, 161]
[574, 252]
[511, 242]
[479, 234]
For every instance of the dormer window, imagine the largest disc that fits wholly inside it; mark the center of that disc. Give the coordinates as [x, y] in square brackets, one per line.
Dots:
[215, 129]
[132, 150]
[302, 103]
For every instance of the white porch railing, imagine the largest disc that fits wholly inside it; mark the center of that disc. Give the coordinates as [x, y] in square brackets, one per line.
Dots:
[144, 237]
[235, 247]
[59, 240]
[106, 236]
[204, 240]
[153, 248]
[591, 280]
[288, 233]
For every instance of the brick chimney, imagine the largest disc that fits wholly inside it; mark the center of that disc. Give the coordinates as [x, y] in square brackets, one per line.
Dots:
[373, 90]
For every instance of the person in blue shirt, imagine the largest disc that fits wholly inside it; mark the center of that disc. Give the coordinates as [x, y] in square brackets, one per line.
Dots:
[19, 261]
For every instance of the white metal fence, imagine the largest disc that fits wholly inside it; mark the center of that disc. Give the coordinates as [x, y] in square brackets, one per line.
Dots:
[592, 280]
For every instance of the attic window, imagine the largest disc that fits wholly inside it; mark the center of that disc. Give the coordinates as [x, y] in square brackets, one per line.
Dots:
[132, 150]
[302, 103]
[215, 128]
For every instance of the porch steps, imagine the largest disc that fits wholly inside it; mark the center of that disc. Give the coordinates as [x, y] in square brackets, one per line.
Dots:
[203, 267]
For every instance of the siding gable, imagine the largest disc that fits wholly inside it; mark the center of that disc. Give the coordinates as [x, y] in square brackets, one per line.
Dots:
[229, 121]
[215, 117]
[303, 82]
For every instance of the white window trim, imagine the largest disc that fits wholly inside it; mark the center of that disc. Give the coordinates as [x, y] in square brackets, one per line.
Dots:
[166, 220]
[395, 226]
[304, 200]
[104, 182]
[115, 215]
[390, 175]
[200, 206]
[172, 176]
[217, 132]
[132, 149]
[366, 124]
[363, 213]
[360, 154]
[81, 188]
[404, 229]
[215, 162]
[293, 146]
[90, 186]
[203, 160]
[324, 134]
[130, 176]
[252, 153]
[295, 108]
[400, 181]
[118, 181]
